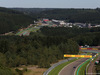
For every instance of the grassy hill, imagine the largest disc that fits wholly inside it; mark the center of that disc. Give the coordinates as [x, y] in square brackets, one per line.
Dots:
[11, 20]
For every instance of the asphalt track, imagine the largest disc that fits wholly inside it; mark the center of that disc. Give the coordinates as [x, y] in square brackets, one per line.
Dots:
[92, 51]
[70, 69]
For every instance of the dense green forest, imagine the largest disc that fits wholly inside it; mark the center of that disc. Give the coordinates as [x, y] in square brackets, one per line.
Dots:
[46, 46]
[73, 15]
[34, 50]
[70, 15]
[82, 36]
[11, 20]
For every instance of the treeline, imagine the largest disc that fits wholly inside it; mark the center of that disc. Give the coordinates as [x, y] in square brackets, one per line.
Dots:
[73, 15]
[11, 20]
[4, 70]
[91, 39]
[31, 11]
[66, 31]
[70, 15]
[82, 36]
[34, 50]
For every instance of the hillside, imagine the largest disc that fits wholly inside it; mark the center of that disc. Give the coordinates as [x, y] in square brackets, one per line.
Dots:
[11, 20]
[31, 11]
[73, 15]
[70, 15]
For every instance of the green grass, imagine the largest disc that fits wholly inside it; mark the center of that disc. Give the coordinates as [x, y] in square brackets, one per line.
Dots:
[20, 32]
[82, 67]
[88, 53]
[95, 58]
[57, 69]
[32, 29]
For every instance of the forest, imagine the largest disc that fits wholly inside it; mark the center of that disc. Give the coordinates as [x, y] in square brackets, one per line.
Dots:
[43, 49]
[34, 50]
[11, 20]
[31, 11]
[82, 36]
[47, 45]
[69, 15]
[73, 15]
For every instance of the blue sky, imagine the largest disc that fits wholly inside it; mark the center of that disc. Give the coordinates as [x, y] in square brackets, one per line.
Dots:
[51, 3]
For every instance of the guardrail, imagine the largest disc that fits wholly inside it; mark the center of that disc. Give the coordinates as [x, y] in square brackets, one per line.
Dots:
[88, 48]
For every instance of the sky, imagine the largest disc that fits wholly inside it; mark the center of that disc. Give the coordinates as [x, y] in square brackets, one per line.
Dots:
[50, 3]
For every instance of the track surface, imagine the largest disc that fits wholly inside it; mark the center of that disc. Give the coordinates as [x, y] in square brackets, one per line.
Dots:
[92, 51]
[69, 69]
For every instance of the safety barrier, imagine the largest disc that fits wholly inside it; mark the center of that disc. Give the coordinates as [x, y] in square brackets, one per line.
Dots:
[81, 56]
[88, 48]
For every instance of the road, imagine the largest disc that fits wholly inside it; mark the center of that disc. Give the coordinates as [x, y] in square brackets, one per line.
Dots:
[56, 64]
[92, 51]
[69, 69]
[91, 67]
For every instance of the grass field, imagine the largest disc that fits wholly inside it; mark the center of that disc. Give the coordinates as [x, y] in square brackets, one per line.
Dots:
[57, 69]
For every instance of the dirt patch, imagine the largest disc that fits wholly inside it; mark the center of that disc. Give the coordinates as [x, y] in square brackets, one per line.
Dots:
[32, 70]
[35, 71]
